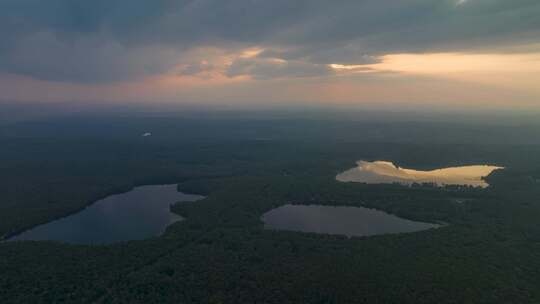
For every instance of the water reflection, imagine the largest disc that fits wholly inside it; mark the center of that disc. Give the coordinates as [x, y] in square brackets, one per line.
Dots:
[138, 214]
[378, 172]
[349, 221]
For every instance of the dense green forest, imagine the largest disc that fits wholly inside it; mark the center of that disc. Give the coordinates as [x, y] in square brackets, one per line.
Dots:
[489, 251]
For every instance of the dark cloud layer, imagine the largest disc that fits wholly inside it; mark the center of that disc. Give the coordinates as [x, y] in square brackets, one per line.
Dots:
[271, 68]
[114, 40]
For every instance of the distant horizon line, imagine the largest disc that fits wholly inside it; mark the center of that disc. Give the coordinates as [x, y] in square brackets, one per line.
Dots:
[37, 110]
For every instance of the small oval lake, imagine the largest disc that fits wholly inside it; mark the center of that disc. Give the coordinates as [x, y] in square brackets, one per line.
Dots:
[141, 213]
[348, 221]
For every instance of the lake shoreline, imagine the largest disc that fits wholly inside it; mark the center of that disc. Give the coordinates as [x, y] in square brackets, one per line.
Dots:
[349, 221]
[386, 172]
[9, 237]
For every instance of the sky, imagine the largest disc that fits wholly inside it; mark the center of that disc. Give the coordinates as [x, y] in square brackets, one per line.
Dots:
[467, 54]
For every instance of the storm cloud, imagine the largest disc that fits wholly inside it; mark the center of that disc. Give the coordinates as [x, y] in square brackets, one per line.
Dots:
[117, 40]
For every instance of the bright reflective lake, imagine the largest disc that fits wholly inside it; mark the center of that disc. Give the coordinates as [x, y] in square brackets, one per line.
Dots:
[348, 221]
[384, 172]
[141, 213]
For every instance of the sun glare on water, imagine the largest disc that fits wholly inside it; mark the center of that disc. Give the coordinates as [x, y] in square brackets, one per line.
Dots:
[384, 172]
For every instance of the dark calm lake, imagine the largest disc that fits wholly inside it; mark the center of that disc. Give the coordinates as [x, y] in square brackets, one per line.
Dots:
[349, 221]
[138, 214]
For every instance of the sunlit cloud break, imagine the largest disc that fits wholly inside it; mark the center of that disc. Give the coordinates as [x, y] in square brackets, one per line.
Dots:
[171, 50]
